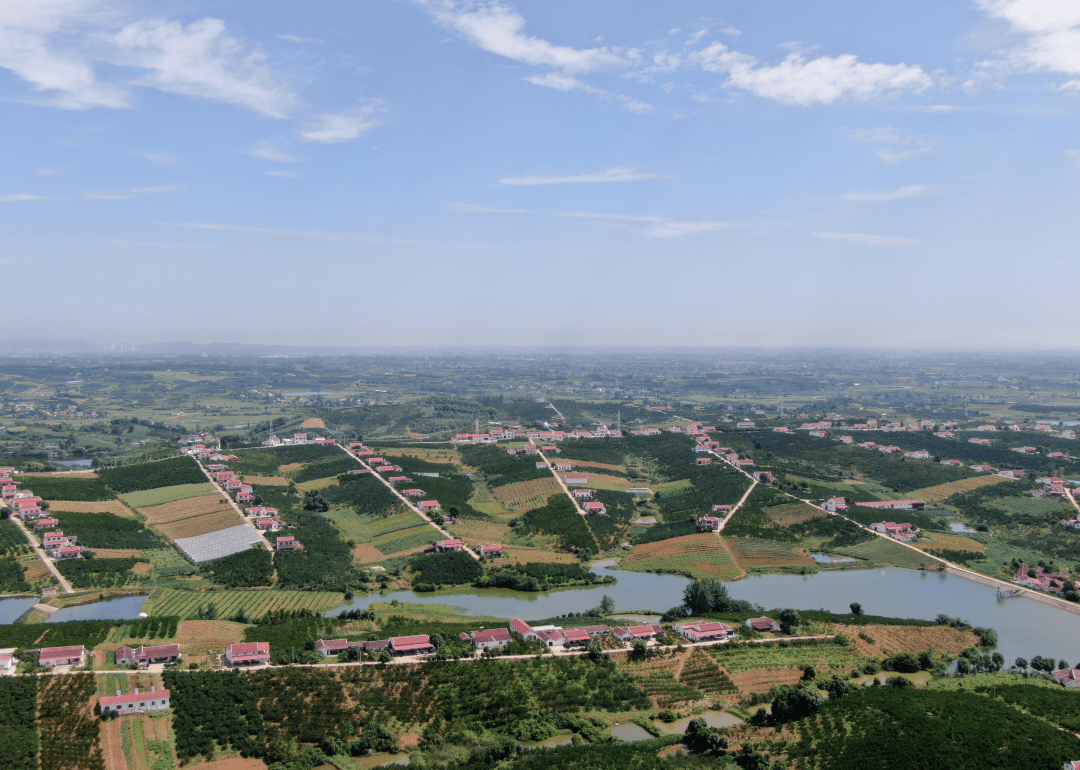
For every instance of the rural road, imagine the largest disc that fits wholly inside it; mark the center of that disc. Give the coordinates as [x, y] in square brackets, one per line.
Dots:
[48, 562]
[409, 503]
[558, 478]
[235, 507]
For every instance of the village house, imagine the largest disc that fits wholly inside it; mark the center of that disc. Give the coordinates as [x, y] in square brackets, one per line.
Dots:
[745, 463]
[1040, 579]
[1012, 474]
[268, 524]
[429, 505]
[953, 463]
[288, 543]
[144, 656]
[413, 492]
[764, 477]
[1069, 678]
[541, 466]
[489, 639]
[708, 524]
[359, 471]
[583, 494]
[247, 654]
[980, 441]
[633, 633]
[262, 511]
[447, 546]
[918, 454]
[704, 461]
[135, 702]
[1025, 450]
[902, 532]
[594, 507]
[702, 631]
[66, 552]
[721, 508]
[8, 661]
[763, 624]
[328, 647]
[562, 466]
[61, 656]
[419, 644]
[835, 504]
[489, 550]
[906, 505]
[46, 524]
[399, 479]
[1070, 523]
[577, 479]
[983, 468]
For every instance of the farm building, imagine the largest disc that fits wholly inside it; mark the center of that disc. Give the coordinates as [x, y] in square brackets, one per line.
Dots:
[1068, 678]
[577, 479]
[633, 633]
[708, 524]
[413, 492]
[595, 507]
[763, 624]
[143, 656]
[445, 546]
[492, 638]
[411, 645]
[288, 543]
[247, 654]
[155, 700]
[328, 647]
[489, 550]
[704, 461]
[429, 505]
[61, 656]
[704, 631]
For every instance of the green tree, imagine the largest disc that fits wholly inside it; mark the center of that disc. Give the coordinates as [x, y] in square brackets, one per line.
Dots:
[607, 605]
[856, 608]
[281, 749]
[790, 620]
[792, 703]
[809, 674]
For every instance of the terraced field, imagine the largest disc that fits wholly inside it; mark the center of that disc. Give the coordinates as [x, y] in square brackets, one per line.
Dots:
[185, 604]
[153, 497]
[526, 495]
[751, 553]
[938, 493]
[793, 513]
[883, 551]
[696, 555]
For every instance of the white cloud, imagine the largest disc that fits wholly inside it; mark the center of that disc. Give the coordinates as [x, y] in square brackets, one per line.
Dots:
[295, 39]
[1071, 85]
[203, 61]
[322, 235]
[267, 150]
[161, 158]
[334, 127]
[282, 174]
[497, 28]
[474, 208]
[35, 44]
[874, 196]
[634, 105]
[694, 38]
[863, 239]
[1051, 31]
[731, 31]
[893, 146]
[649, 225]
[105, 196]
[1073, 154]
[616, 174]
[561, 82]
[21, 197]
[159, 189]
[936, 108]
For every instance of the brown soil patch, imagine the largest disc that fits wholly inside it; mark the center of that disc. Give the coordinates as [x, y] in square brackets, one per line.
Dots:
[64, 475]
[313, 422]
[366, 552]
[185, 509]
[142, 568]
[116, 553]
[203, 635]
[267, 481]
[750, 553]
[520, 555]
[602, 466]
[233, 763]
[941, 491]
[897, 639]
[78, 506]
[476, 530]
[764, 679]
[290, 467]
[603, 478]
[201, 525]
[430, 456]
[112, 746]
[34, 568]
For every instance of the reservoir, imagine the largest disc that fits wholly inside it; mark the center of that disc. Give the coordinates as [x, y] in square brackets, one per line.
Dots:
[123, 608]
[10, 609]
[1025, 627]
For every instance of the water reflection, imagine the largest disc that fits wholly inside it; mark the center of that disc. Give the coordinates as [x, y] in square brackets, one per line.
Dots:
[123, 608]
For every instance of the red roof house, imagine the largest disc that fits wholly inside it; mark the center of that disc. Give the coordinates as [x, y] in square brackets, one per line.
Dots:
[247, 654]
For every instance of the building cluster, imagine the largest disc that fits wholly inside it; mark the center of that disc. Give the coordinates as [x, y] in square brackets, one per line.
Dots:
[515, 432]
[904, 532]
[26, 506]
[1041, 580]
[231, 483]
[297, 440]
[203, 447]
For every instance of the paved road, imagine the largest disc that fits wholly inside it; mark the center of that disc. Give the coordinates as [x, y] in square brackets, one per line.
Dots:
[45, 558]
[235, 507]
[408, 502]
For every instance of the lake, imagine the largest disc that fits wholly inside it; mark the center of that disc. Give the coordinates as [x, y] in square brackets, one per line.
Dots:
[1025, 627]
[73, 463]
[122, 608]
[11, 609]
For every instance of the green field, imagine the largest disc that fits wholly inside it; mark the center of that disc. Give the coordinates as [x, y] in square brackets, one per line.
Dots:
[395, 523]
[396, 543]
[152, 497]
[881, 551]
[185, 604]
[745, 657]
[351, 526]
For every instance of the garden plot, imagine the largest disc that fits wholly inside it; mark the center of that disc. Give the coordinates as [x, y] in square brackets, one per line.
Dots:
[156, 497]
[79, 506]
[526, 495]
[698, 555]
[192, 517]
[217, 545]
[752, 553]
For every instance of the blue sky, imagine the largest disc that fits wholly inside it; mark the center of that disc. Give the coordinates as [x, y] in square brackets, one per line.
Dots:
[446, 172]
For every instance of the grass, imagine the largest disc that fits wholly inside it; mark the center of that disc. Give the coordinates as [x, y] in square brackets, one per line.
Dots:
[395, 523]
[696, 555]
[792, 513]
[152, 497]
[751, 553]
[1035, 506]
[670, 486]
[883, 551]
[317, 484]
[938, 493]
[76, 506]
[351, 526]
[185, 604]
[526, 495]
[949, 542]
[168, 561]
[824, 657]
[407, 540]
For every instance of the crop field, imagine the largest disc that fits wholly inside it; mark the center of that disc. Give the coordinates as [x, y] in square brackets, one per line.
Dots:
[267, 481]
[153, 497]
[395, 523]
[351, 526]
[69, 730]
[406, 540]
[606, 481]
[702, 672]
[526, 495]
[937, 494]
[313, 422]
[656, 677]
[751, 553]
[948, 542]
[792, 513]
[881, 551]
[34, 569]
[484, 501]
[826, 658]
[1035, 506]
[185, 604]
[364, 553]
[513, 554]
[698, 555]
[168, 561]
[78, 506]
[477, 530]
[186, 509]
[317, 484]
[427, 455]
[679, 485]
[201, 525]
[620, 469]
[202, 635]
[764, 679]
[890, 640]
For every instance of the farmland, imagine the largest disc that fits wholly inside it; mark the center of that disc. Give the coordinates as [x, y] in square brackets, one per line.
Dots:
[192, 516]
[752, 553]
[694, 555]
[76, 506]
[164, 473]
[937, 494]
[406, 540]
[938, 541]
[256, 603]
[69, 730]
[792, 513]
[68, 488]
[526, 495]
[153, 497]
[881, 550]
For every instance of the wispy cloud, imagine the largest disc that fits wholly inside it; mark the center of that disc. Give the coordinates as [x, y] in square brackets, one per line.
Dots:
[105, 196]
[615, 174]
[267, 150]
[165, 188]
[863, 239]
[1047, 31]
[320, 235]
[936, 108]
[1072, 154]
[160, 158]
[562, 82]
[893, 146]
[649, 225]
[473, 208]
[282, 174]
[295, 39]
[21, 197]
[876, 196]
[334, 127]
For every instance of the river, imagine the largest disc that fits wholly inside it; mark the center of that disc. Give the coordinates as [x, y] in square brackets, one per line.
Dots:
[1025, 627]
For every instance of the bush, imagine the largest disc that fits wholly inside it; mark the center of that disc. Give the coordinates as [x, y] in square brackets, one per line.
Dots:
[559, 517]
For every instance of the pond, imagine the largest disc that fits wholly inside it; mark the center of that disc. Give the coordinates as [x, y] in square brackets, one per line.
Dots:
[957, 527]
[712, 719]
[1025, 627]
[122, 608]
[631, 732]
[824, 558]
[85, 463]
[11, 609]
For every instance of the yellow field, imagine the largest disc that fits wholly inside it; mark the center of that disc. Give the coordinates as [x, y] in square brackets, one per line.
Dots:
[521, 555]
[698, 555]
[267, 481]
[950, 542]
[751, 553]
[316, 484]
[941, 491]
[313, 422]
[193, 516]
[78, 506]
[605, 481]
[427, 455]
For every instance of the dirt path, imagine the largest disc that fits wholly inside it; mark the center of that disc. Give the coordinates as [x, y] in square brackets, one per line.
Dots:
[45, 559]
[112, 745]
[1072, 499]
[408, 502]
[235, 507]
[558, 478]
[735, 508]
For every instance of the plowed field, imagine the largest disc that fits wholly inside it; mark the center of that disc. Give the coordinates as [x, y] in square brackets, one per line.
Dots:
[751, 553]
[764, 679]
[267, 481]
[948, 542]
[602, 466]
[313, 422]
[895, 639]
[78, 506]
[792, 513]
[186, 509]
[698, 555]
[366, 552]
